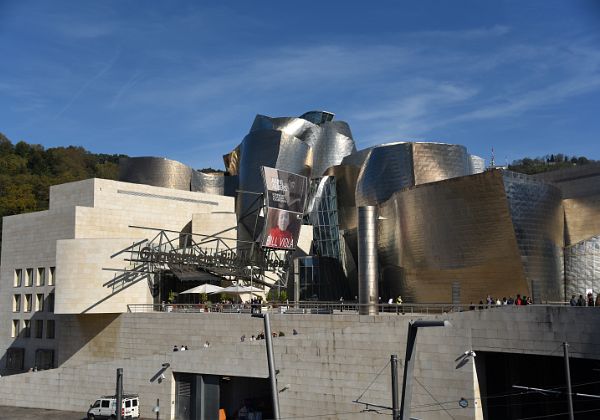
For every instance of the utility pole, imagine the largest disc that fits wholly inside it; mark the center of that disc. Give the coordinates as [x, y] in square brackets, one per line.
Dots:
[271, 364]
[394, 367]
[568, 375]
[119, 393]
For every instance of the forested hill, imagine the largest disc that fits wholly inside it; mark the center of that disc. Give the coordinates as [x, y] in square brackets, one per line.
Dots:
[28, 170]
[547, 163]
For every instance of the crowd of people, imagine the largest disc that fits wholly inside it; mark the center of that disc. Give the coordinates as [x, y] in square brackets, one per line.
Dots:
[581, 301]
[491, 302]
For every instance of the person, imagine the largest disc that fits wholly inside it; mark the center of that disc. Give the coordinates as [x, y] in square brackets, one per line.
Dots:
[590, 299]
[573, 301]
[279, 236]
[471, 306]
[598, 299]
[182, 348]
[175, 348]
[390, 301]
[252, 338]
[294, 332]
[399, 300]
[185, 347]
[581, 301]
[518, 300]
[243, 338]
[206, 345]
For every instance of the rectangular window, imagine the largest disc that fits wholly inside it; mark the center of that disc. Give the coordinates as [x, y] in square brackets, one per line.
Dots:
[26, 328]
[29, 277]
[15, 358]
[16, 303]
[39, 302]
[105, 403]
[39, 328]
[51, 302]
[41, 277]
[44, 359]
[15, 328]
[18, 280]
[51, 277]
[28, 303]
[50, 328]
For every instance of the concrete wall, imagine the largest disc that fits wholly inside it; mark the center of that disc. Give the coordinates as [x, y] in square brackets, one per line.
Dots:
[328, 365]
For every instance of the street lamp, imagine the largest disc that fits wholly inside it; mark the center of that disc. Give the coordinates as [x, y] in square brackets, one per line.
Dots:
[271, 363]
[409, 364]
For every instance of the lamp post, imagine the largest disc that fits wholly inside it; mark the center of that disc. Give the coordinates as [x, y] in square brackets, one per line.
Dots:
[271, 363]
[409, 362]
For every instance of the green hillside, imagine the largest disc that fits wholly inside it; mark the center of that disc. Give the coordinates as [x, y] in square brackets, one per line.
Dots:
[28, 170]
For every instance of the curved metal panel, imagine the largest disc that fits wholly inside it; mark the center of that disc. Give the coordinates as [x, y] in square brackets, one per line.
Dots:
[582, 216]
[438, 161]
[232, 161]
[210, 183]
[582, 267]
[477, 164]
[493, 233]
[538, 221]
[390, 167]
[345, 184]
[318, 117]
[329, 148]
[270, 148]
[387, 169]
[159, 172]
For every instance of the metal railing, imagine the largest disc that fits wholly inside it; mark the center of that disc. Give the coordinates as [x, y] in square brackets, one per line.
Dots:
[319, 307]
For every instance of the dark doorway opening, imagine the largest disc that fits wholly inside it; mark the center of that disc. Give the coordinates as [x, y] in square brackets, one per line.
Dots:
[208, 397]
[498, 372]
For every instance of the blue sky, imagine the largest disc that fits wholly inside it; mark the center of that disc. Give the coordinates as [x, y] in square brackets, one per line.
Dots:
[184, 79]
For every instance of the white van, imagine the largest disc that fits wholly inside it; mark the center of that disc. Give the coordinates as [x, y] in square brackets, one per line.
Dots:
[105, 407]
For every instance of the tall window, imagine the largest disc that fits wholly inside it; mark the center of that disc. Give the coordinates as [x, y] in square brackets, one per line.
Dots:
[50, 328]
[39, 328]
[18, 280]
[15, 358]
[29, 277]
[16, 303]
[41, 277]
[26, 328]
[50, 302]
[15, 328]
[51, 277]
[39, 302]
[28, 302]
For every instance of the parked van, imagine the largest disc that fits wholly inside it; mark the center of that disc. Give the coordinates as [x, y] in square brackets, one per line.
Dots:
[105, 407]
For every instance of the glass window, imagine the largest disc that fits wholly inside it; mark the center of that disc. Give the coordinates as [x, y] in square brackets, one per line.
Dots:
[51, 302]
[134, 403]
[29, 277]
[96, 404]
[105, 403]
[39, 328]
[41, 276]
[18, 280]
[15, 328]
[50, 328]
[39, 302]
[26, 328]
[15, 358]
[16, 303]
[51, 277]
[44, 358]
[28, 302]
[127, 403]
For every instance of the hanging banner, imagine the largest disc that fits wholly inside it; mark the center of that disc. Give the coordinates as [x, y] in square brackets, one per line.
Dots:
[285, 194]
[284, 190]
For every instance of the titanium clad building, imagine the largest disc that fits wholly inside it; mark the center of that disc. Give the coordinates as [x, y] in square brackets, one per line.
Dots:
[494, 233]
[158, 172]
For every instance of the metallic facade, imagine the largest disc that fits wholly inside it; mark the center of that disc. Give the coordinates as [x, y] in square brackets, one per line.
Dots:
[582, 267]
[475, 230]
[214, 183]
[368, 273]
[390, 167]
[159, 172]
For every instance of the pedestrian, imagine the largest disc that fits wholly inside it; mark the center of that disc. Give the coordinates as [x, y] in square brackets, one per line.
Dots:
[581, 301]
[573, 301]
[182, 348]
[175, 348]
[590, 299]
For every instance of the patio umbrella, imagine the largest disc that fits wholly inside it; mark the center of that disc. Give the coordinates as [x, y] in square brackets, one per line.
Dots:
[204, 288]
[240, 290]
